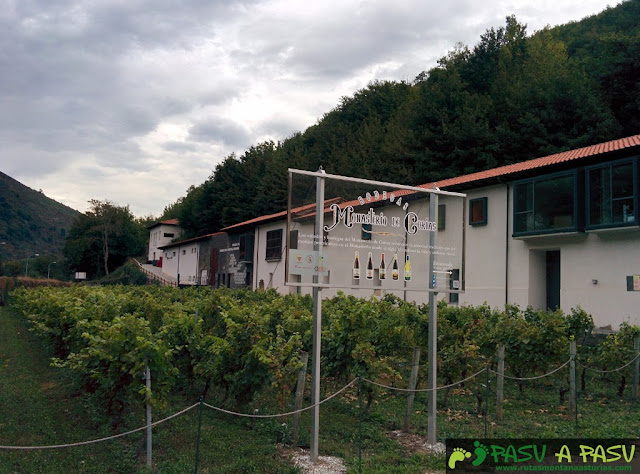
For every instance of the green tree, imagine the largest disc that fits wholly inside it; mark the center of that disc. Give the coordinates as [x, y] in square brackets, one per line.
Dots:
[101, 239]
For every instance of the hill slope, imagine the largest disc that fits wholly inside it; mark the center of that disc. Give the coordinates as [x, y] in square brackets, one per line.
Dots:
[510, 98]
[30, 222]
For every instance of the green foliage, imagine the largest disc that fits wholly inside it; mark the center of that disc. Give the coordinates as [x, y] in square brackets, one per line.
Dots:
[366, 337]
[246, 342]
[616, 351]
[102, 239]
[509, 98]
[30, 222]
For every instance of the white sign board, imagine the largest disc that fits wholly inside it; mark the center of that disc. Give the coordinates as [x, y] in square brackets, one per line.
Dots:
[375, 235]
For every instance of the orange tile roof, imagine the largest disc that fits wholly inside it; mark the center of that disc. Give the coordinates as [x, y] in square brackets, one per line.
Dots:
[298, 210]
[571, 155]
[188, 241]
[536, 163]
[167, 222]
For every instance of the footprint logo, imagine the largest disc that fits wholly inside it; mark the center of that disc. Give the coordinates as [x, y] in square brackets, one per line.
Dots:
[459, 454]
[481, 452]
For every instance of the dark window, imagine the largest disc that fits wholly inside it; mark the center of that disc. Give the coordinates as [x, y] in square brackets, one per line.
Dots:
[546, 204]
[245, 248]
[612, 194]
[454, 284]
[478, 211]
[293, 239]
[442, 216]
[274, 245]
[169, 234]
[366, 231]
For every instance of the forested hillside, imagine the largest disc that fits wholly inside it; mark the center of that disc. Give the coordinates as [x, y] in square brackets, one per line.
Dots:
[511, 97]
[30, 222]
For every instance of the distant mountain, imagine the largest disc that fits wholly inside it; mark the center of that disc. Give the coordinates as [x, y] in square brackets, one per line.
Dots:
[30, 222]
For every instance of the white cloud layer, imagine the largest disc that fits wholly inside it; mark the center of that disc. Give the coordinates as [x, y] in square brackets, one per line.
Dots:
[136, 100]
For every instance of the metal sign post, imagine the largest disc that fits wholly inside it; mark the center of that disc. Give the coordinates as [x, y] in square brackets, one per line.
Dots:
[384, 241]
[317, 323]
[432, 375]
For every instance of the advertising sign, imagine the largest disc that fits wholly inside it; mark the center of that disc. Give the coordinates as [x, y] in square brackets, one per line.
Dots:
[374, 235]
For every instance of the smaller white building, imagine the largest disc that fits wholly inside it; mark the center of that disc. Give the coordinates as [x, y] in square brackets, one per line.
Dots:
[180, 261]
[161, 234]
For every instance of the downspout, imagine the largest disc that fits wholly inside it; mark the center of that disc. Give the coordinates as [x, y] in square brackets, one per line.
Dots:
[506, 247]
[256, 254]
[178, 269]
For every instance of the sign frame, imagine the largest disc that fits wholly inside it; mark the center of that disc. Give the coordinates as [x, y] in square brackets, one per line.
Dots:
[431, 192]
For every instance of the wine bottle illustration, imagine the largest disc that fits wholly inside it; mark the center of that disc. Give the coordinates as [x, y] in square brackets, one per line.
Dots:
[370, 268]
[356, 266]
[407, 269]
[394, 268]
[383, 269]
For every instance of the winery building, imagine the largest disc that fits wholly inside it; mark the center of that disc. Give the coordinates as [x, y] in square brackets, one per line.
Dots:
[559, 231]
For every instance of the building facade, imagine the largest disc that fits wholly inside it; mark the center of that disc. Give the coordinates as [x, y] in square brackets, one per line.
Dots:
[555, 232]
[161, 234]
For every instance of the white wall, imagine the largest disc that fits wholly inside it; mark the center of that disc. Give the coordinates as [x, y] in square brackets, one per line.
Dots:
[492, 253]
[343, 248]
[271, 273]
[157, 239]
[182, 260]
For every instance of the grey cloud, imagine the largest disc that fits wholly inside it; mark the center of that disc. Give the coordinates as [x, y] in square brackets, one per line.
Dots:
[179, 147]
[93, 78]
[221, 130]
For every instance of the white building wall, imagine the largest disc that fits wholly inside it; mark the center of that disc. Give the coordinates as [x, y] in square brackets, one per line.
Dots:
[170, 261]
[158, 238]
[492, 256]
[272, 274]
[486, 250]
[182, 260]
[269, 272]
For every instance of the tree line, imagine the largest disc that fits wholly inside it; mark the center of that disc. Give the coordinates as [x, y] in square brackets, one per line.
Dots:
[510, 98]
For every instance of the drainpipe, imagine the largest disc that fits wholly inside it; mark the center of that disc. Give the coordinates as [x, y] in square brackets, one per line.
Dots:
[506, 246]
[256, 253]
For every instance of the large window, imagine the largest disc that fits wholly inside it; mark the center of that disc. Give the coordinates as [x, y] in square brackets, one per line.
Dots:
[546, 204]
[612, 192]
[274, 245]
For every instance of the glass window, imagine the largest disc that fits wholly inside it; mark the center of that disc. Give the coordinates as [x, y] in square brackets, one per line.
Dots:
[169, 234]
[611, 195]
[454, 284]
[547, 204]
[478, 211]
[274, 244]
[242, 248]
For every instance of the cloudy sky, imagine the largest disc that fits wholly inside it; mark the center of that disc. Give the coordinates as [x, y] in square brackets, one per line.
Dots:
[136, 100]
